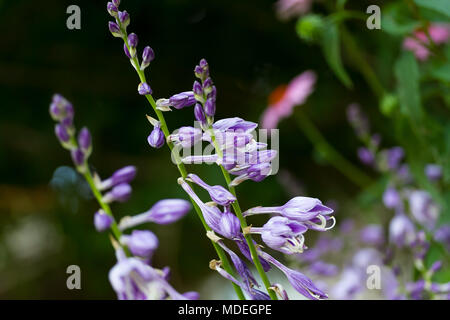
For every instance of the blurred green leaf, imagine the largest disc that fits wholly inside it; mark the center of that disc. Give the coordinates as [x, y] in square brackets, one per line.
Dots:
[441, 6]
[332, 50]
[397, 20]
[408, 89]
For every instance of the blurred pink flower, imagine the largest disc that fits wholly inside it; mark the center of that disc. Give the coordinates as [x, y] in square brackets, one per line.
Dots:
[285, 97]
[439, 34]
[292, 8]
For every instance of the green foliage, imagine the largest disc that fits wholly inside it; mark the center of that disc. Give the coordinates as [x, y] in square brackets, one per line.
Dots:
[440, 6]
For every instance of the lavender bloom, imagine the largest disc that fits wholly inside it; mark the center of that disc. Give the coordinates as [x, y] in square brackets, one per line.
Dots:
[218, 194]
[115, 29]
[366, 156]
[102, 221]
[162, 212]
[85, 140]
[123, 175]
[298, 280]
[186, 137]
[120, 193]
[422, 207]
[141, 243]
[183, 99]
[147, 56]
[282, 234]
[401, 230]
[144, 89]
[391, 198]
[302, 209]
[156, 138]
[433, 172]
[372, 234]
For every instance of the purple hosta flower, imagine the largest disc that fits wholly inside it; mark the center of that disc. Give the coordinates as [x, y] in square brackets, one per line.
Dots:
[141, 243]
[257, 172]
[183, 99]
[394, 157]
[245, 250]
[156, 138]
[366, 156]
[298, 280]
[218, 194]
[372, 234]
[120, 193]
[144, 89]
[112, 9]
[302, 209]
[423, 208]
[442, 235]
[162, 212]
[391, 198]
[358, 120]
[433, 172]
[401, 230]
[282, 234]
[102, 221]
[186, 137]
[229, 224]
[254, 294]
[234, 124]
[241, 268]
[132, 43]
[133, 279]
[197, 89]
[147, 56]
[115, 29]
[323, 269]
[124, 18]
[123, 175]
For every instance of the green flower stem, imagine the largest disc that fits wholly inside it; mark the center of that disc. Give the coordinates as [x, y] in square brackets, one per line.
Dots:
[329, 153]
[248, 237]
[182, 169]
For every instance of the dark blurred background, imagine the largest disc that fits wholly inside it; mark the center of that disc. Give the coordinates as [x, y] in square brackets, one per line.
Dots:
[46, 210]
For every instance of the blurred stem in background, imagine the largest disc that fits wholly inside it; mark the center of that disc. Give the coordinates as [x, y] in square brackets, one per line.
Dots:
[331, 155]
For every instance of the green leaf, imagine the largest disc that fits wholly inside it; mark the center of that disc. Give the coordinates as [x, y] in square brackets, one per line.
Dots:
[397, 20]
[408, 89]
[440, 6]
[331, 47]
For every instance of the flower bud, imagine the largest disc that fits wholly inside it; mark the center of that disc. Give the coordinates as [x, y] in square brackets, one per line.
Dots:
[433, 172]
[61, 133]
[114, 29]
[198, 90]
[391, 198]
[186, 136]
[229, 225]
[120, 193]
[132, 42]
[210, 108]
[127, 52]
[123, 175]
[144, 89]
[124, 18]
[199, 114]
[147, 56]
[85, 140]
[183, 99]
[116, 3]
[112, 9]
[141, 243]
[78, 157]
[156, 138]
[102, 221]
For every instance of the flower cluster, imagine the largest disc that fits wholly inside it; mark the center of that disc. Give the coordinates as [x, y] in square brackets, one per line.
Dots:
[132, 277]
